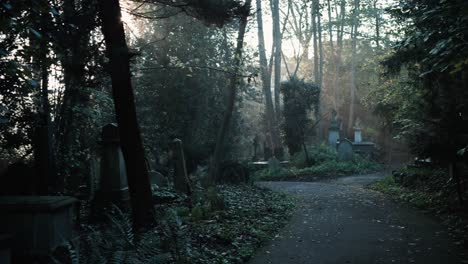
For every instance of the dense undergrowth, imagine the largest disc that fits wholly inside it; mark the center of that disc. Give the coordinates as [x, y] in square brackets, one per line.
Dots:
[222, 226]
[323, 163]
[432, 190]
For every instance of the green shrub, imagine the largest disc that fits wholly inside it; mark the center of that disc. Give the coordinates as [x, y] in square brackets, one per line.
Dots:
[317, 155]
[324, 169]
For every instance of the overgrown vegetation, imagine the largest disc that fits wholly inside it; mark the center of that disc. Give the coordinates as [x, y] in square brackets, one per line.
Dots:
[325, 164]
[223, 226]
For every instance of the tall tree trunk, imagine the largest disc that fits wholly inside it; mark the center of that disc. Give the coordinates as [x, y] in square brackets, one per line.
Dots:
[320, 45]
[321, 62]
[333, 54]
[76, 41]
[377, 25]
[277, 40]
[44, 155]
[353, 66]
[315, 40]
[124, 101]
[233, 85]
[341, 15]
[272, 136]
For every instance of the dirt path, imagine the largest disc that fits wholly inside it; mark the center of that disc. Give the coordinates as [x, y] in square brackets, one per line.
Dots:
[341, 222]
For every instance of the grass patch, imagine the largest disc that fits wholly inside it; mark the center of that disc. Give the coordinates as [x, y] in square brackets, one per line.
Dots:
[419, 199]
[431, 190]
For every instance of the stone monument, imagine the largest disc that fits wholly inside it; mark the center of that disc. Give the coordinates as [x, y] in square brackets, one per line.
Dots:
[357, 132]
[334, 130]
[113, 186]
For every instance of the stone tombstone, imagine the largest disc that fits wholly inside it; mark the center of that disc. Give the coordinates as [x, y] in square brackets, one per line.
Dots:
[334, 130]
[345, 150]
[113, 186]
[37, 224]
[181, 180]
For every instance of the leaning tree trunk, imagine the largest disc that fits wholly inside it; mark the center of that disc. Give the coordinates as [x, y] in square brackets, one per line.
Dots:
[124, 101]
[233, 84]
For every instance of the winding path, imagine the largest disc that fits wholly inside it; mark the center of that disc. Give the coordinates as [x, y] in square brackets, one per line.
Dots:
[342, 222]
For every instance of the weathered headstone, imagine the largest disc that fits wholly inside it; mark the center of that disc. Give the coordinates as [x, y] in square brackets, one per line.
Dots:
[334, 130]
[181, 180]
[113, 186]
[345, 150]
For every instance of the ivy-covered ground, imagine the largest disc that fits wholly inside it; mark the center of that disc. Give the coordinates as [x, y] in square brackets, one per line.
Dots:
[225, 225]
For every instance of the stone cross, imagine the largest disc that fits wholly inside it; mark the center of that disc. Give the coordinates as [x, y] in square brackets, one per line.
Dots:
[181, 180]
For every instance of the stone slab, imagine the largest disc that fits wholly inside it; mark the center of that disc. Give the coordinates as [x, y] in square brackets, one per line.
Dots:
[34, 203]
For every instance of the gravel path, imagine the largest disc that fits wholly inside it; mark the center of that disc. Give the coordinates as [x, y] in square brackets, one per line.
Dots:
[342, 222]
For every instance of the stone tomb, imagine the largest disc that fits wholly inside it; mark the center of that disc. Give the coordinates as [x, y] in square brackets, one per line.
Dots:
[37, 224]
[334, 130]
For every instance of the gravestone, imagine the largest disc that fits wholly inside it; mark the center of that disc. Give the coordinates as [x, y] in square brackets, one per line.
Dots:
[37, 224]
[334, 130]
[345, 150]
[113, 186]
[181, 180]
